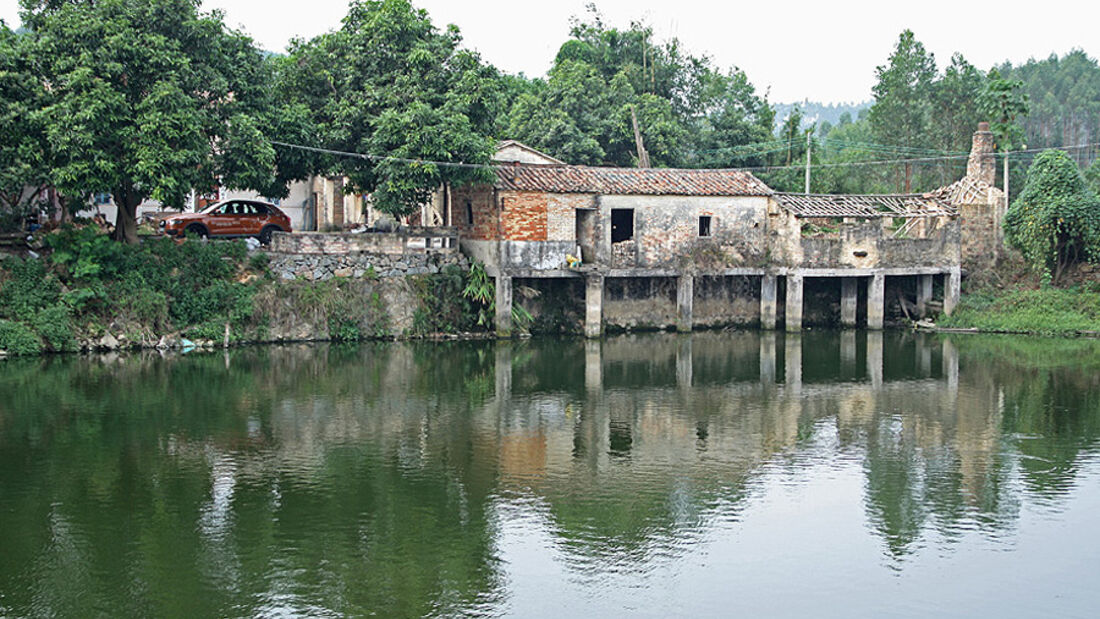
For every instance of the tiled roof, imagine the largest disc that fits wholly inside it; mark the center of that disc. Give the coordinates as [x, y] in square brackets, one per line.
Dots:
[630, 181]
[873, 205]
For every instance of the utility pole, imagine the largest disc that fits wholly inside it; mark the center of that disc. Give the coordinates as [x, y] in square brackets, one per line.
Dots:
[808, 147]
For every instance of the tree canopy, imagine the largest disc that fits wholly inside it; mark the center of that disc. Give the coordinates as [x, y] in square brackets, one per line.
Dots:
[390, 85]
[1056, 219]
[150, 99]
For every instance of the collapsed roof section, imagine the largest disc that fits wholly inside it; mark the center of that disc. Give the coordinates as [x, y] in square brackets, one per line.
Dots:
[866, 206]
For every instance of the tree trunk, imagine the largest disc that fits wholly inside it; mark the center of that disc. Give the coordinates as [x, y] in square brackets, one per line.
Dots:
[127, 201]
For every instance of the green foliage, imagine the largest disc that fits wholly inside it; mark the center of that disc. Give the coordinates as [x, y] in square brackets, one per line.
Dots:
[443, 306]
[389, 83]
[1056, 219]
[17, 339]
[482, 292]
[149, 98]
[1002, 101]
[26, 287]
[23, 152]
[689, 112]
[54, 325]
[1049, 311]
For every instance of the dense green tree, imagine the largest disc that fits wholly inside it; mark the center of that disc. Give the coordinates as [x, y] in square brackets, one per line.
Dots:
[901, 113]
[689, 112]
[955, 112]
[23, 152]
[1056, 219]
[149, 99]
[1002, 101]
[389, 84]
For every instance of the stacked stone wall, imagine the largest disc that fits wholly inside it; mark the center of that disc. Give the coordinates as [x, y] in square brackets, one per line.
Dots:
[322, 267]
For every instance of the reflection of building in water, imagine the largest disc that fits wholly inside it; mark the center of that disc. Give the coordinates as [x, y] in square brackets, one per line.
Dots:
[634, 421]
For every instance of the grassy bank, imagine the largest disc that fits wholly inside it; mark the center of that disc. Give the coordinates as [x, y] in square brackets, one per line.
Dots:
[87, 292]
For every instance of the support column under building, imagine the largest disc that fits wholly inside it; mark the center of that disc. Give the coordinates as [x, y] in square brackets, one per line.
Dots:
[504, 305]
[794, 303]
[951, 286]
[768, 293]
[849, 300]
[593, 366]
[593, 306]
[685, 296]
[924, 294]
[876, 301]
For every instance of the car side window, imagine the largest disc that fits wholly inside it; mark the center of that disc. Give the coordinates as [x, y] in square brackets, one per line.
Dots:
[222, 210]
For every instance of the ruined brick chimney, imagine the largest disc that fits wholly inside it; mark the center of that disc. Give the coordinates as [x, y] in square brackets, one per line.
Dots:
[982, 165]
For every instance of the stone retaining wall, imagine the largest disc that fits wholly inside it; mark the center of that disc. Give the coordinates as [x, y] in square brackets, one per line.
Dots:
[321, 266]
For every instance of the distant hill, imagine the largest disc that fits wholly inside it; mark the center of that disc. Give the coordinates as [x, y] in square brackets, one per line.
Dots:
[814, 112]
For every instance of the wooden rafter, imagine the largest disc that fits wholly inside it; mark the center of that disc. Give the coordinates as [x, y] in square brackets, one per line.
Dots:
[865, 206]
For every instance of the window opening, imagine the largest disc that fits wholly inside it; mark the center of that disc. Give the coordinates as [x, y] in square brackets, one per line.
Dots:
[704, 225]
[469, 213]
[622, 224]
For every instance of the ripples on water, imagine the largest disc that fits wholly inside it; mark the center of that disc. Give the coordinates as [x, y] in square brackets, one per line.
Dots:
[737, 473]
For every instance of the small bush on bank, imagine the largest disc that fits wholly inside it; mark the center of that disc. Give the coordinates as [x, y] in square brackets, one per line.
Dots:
[18, 339]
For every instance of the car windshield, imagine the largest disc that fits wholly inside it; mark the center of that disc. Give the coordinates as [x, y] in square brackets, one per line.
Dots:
[213, 207]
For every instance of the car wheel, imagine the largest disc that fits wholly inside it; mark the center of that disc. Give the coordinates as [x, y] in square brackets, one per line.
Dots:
[198, 231]
[267, 233]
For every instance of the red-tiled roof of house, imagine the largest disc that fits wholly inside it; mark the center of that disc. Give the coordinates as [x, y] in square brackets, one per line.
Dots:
[630, 181]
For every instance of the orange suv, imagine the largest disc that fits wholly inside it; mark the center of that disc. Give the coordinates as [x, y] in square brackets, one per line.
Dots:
[229, 218]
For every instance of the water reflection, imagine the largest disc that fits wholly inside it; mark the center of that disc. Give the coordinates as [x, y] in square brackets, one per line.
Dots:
[534, 477]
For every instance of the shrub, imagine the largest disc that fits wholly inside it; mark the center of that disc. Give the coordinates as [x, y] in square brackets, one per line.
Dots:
[17, 339]
[55, 326]
[26, 288]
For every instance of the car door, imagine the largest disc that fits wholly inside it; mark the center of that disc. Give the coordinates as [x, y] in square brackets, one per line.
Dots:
[220, 219]
[255, 218]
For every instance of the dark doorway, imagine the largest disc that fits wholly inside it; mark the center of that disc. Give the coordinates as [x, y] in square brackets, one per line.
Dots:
[622, 224]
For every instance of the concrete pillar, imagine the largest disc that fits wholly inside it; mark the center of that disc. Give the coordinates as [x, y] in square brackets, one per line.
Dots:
[794, 302]
[593, 306]
[924, 357]
[874, 358]
[684, 363]
[685, 296]
[924, 293]
[767, 357]
[849, 300]
[768, 285]
[593, 366]
[952, 283]
[792, 361]
[504, 305]
[876, 301]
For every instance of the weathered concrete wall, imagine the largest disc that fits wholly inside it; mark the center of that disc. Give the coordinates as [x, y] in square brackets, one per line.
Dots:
[866, 245]
[722, 301]
[666, 230]
[640, 302]
[535, 255]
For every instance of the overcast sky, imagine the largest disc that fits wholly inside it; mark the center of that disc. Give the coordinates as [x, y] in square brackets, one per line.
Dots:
[824, 51]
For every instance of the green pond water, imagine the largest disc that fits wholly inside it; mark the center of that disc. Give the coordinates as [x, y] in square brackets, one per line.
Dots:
[832, 474]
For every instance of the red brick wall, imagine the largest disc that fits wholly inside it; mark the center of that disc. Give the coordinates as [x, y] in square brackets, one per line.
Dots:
[523, 215]
[480, 198]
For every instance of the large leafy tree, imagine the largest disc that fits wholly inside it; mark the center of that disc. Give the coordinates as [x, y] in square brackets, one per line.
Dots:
[689, 112]
[1056, 219]
[23, 168]
[150, 99]
[390, 86]
[901, 113]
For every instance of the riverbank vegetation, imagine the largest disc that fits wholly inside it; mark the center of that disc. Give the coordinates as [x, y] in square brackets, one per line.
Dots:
[87, 292]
